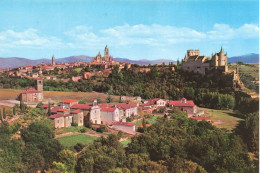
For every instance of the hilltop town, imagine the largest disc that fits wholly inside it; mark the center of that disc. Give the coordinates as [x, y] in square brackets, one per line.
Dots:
[83, 104]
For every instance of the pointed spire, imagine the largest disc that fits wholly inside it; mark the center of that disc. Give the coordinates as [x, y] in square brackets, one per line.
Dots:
[221, 49]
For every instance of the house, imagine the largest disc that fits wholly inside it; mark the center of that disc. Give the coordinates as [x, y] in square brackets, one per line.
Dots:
[69, 102]
[109, 115]
[85, 108]
[184, 105]
[63, 111]
[76, 78]
[77, 116]
[88, 75]
[58, 120]
[124, 126]
[95, 113]
[55, 109]
[128, 109]
[45, 107]
[61, 120]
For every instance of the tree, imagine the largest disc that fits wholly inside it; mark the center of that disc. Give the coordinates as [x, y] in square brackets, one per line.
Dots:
[109, 99]
[1, 118]
[49, 110]
[68, 158]
[4, 114]
[14, 111]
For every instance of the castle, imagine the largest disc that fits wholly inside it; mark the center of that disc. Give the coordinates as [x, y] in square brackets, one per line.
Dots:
[193, 62]
[105, 59]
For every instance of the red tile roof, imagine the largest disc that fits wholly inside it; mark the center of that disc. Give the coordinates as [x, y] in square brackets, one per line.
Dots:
[125, 106]
[55, 109]
[108, 109]
[69, 101]
[182, 103]
[80, 106]
[30, 90]
[76, 111]
[62, 110]
[58, 116]
[46, 106]
[105, 106]
[123, 123]
[201, 118]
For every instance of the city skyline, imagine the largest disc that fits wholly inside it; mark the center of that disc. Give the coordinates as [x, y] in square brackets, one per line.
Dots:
[147, 29]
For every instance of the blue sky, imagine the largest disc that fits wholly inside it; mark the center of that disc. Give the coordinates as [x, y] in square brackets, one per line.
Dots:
[137, 29]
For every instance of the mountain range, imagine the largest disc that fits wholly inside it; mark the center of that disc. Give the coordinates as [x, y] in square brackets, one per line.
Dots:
[14, 62]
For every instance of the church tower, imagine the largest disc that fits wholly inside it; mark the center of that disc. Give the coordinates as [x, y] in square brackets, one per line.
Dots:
[53, 60]
[106, 54]
[39, 84]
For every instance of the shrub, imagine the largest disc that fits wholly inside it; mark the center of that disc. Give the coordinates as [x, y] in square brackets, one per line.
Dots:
[78, 147]
[74, 124]
[84, 130]
[88, 124]
[101, 129]
[129, 119]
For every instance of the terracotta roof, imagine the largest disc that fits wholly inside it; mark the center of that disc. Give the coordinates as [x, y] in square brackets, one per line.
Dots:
[201, 118]
[38, 78]
[58, 116]
[105, 105]
[46, 106]
[123, 123]
[62, 110]
[55, 109]
[76, 111]
[180, 103]
[69, 101]
[30, 90]
[80, 106]
[125, 106]
[108, 109]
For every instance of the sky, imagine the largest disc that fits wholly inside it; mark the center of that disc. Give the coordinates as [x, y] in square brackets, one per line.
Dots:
[134, 29]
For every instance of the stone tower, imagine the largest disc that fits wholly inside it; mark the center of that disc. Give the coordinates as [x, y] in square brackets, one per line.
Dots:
[53, 60]
[222, 60]
[39, 84]
[106, 54]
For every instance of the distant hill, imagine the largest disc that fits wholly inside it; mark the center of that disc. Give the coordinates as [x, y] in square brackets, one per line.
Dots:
[144, 61]
[15, 62]
[249, 58]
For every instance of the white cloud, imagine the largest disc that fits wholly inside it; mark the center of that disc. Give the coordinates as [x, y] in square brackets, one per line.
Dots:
[225, 32]
[28, 38]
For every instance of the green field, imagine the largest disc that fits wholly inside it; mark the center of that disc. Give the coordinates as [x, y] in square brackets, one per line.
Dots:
[72, 140]
[68, 129]
[149, 121]
[125, 143]
[222, 118]
[78, 69]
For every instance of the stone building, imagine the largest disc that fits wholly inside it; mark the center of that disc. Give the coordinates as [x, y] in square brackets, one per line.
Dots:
[32, 95]
[193, 62]
[105, 59]
[53, 60]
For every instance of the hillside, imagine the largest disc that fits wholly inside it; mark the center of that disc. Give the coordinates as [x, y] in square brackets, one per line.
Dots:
[14, 62]
[249, 58]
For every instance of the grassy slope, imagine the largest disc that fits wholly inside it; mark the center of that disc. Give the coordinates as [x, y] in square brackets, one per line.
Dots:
[226, 118]
[59, 96]
[74, 139]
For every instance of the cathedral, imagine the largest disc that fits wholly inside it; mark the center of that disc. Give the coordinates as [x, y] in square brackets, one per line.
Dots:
[193, 62]
[105, 59]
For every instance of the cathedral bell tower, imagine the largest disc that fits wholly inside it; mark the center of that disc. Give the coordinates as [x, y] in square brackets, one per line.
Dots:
[106, 54]
[39, 84]
[53, 60]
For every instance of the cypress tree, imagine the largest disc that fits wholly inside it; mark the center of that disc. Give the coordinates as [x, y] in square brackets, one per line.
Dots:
[14, 111]
[4, 113]
[1, 118]
[49, 110]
